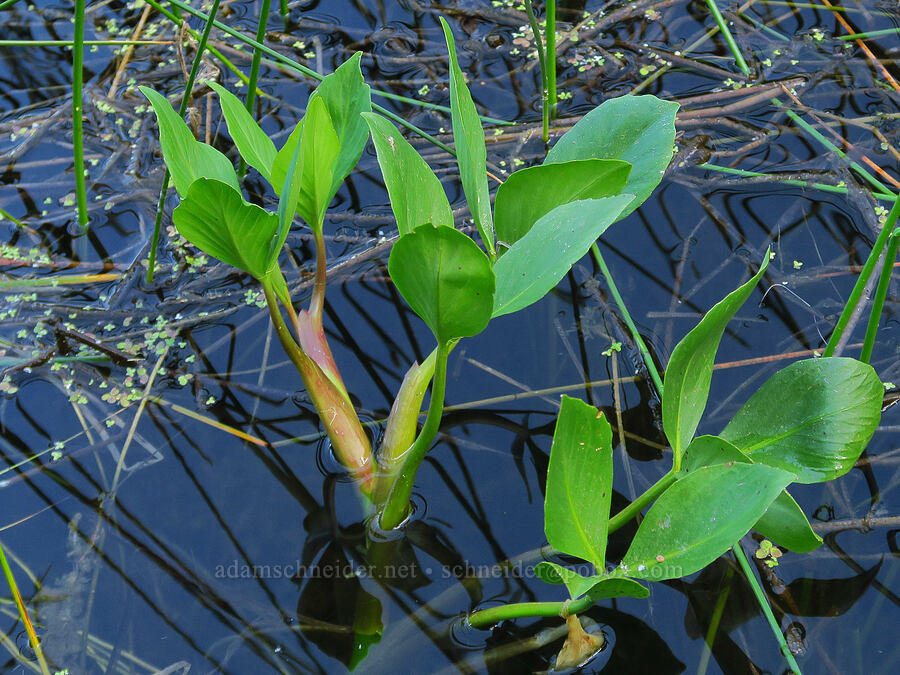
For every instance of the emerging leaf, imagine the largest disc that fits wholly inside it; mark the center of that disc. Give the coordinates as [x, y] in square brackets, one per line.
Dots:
[533, 266]
[417, 196]
[255, 146]
[346, 96]
[531, 193]
[689, 372]
[699, 517]
[187, 158]
[598, 587]
[319, 149]
[468, 140]
[814, 418]
[446, 279]
[637, 129]
[579, 483]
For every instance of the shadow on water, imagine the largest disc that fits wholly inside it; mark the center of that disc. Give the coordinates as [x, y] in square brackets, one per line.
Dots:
[233, 543]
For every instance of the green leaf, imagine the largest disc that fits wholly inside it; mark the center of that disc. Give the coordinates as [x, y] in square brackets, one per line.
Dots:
[554, 573]
[216, 219]
[709, 451]
[699, 517]
[579, 482]
[785, 523]
[688, 375]
[186, 158]
[346, 96]
[535, 264]
[637, 129]
[255, 147]
[468, 140]
[531, 193]
[612, 587]
[814, 418]
[417, 196]
[598, 587]
[319, 149]
[446, 279]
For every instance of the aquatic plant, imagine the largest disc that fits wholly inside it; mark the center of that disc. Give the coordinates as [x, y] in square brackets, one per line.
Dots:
[808, 423]
[544, 220]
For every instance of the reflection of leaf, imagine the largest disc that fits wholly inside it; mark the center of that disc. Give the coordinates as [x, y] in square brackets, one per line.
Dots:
[330, 594]
[638, 648]
[824, 597]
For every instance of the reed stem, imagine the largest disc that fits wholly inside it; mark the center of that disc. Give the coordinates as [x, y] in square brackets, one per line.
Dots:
[78, 113]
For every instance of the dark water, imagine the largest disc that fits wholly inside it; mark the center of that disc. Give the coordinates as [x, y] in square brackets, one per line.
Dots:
[166, 580]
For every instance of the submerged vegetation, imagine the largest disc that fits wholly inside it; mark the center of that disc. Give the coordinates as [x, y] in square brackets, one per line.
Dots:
[521, 235]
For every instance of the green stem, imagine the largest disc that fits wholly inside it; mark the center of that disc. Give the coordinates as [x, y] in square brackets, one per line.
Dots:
[639, 504]
[396, 508]
[880, 296]
[23, 613]
[808, 128]
[254, 67]
[887, 197]
[174, 18]
[77, 112]
[550, 33]
[729, 38]
[185, 101]
[542, 64]
[485, 618]
[863, 279]
[635, 335]
[283, 6]
[764, 606]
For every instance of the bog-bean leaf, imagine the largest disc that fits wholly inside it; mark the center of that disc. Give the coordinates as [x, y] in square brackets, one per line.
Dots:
[536, 263]
[637, 129]
[468, 141]
[813, 418]
[255, 146]
[689, 373]
[531, 193]
[187, 158]
[446, 279]
[699, 517]
[579, 482]
[417, 196]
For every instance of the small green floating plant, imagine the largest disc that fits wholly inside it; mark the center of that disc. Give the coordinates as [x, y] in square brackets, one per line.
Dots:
[808, 423]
